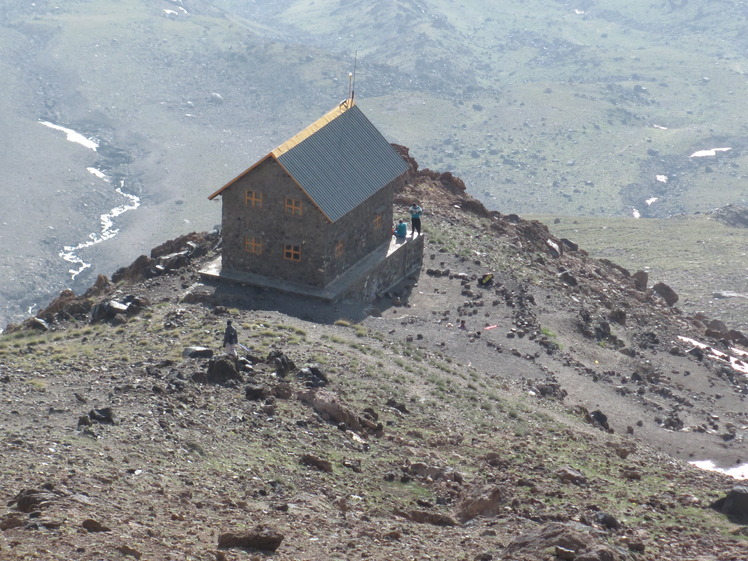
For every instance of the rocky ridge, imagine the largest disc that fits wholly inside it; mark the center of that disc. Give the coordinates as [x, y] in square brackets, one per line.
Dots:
[556, 425]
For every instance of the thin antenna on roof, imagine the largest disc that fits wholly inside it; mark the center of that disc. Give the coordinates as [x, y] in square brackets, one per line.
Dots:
[352, 79]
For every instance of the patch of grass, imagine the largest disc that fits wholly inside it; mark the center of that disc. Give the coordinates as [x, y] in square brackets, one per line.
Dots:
[38, 384]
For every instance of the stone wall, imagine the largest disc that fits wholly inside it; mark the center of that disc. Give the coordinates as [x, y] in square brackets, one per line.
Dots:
[357, 232]
[317, 238]
[406, 260]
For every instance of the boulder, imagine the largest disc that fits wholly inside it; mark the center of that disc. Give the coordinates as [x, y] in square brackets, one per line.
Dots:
[105, 415]
[316, 462]
[425, 471]
[568, 278]
[66, 305]
[261, 538]
[30, 500]
[737, 337]
[571, 537]
[142, 268]
[192, 243]
[734, 504]
[94, 526]
[641, 278]
[222, 371]
[256, 392]
[618, 315]
[280, 363]
[484, 501]
[569, 244]
[428, 517]
[329, 407]
[599, 419]
[568, 474]
[39, 324]
[313, 377]
[283, 390]
[666, 293]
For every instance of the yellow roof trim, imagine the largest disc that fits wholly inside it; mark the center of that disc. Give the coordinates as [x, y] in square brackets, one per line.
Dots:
[342, 107]
[314, 127]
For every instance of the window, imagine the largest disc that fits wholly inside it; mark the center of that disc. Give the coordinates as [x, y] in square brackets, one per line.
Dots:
[253, 198]
[378, 221]
[293, 206]
[292, 252]
[253, 245]
[339, 248]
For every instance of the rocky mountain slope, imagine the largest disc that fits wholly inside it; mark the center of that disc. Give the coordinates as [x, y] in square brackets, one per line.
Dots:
[557, 425]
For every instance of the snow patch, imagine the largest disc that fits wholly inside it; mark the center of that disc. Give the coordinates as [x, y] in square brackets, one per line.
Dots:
[70, 252]
[73, 136]
[737, 472]
[710, 152]
[737, 359]
[98, 173]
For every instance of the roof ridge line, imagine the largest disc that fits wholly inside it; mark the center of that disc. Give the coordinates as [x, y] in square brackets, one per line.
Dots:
[328, 117]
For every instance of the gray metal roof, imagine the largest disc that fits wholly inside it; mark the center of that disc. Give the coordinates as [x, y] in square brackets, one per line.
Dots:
[343, 163]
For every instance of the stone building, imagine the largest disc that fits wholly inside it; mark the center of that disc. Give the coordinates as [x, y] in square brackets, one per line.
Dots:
[317, 206]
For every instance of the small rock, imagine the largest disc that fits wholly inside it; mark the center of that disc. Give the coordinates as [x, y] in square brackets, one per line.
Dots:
[569, 475]
[256, 392]
[103, 415]
[94, 526]
[318, 463]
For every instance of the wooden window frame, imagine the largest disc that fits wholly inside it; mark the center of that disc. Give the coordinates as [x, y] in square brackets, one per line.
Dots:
[378, 220]
[293, 206]
[292, 252]
[253, 245]
[253, 198]
[339, 249]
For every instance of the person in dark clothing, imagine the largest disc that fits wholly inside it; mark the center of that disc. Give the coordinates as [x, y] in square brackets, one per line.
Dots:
[230, 339]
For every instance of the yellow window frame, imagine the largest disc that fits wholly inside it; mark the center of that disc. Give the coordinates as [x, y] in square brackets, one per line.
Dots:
[292, 252]
[253, 199]
[293, 206]
[253, 245]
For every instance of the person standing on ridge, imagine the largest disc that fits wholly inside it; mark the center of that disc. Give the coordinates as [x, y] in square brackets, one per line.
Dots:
[415, 219]
[230, 339]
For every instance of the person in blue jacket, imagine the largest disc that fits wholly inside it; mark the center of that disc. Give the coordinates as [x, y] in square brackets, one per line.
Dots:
[401, 230]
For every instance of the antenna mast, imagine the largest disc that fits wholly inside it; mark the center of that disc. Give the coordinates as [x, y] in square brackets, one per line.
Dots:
[352, 79]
